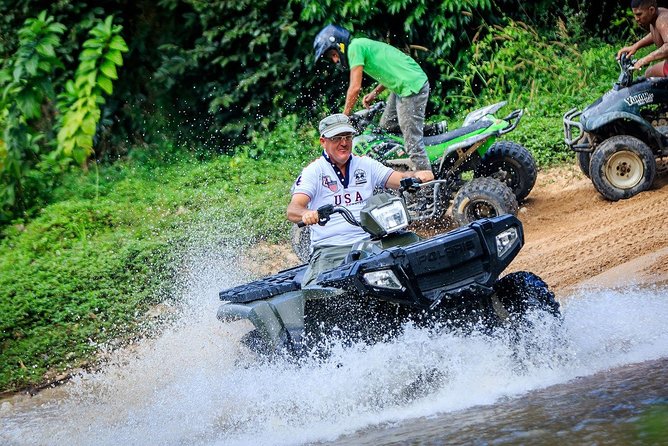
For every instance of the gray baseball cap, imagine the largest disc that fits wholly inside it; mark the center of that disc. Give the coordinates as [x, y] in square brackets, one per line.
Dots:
[335, 125]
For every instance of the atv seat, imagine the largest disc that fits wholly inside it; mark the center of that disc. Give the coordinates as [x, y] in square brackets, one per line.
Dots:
[439, 139]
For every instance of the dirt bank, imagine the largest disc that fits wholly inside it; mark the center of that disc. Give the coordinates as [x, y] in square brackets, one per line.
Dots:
[574, 237]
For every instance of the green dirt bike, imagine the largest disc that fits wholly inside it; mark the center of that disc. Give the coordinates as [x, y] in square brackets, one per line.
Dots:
[478, 175]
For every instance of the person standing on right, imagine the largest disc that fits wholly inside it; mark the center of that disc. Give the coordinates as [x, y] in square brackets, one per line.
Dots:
[655, 20]
[394, 71]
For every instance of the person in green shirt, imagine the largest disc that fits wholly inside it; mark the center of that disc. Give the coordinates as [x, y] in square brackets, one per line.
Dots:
[393, 70]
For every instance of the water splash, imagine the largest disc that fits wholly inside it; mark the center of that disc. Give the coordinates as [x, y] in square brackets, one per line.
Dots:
[196, 384]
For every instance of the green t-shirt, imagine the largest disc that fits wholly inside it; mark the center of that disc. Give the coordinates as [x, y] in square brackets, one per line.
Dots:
[397, 71]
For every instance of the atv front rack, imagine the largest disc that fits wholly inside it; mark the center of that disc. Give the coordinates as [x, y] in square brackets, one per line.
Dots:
[451, 266]
[569, 123]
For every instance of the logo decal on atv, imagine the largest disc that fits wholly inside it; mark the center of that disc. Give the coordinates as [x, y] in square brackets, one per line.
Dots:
[640, 99]
[329, 184]
[360, 176]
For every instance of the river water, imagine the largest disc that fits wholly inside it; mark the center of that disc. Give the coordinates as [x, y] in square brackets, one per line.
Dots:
[598, 378]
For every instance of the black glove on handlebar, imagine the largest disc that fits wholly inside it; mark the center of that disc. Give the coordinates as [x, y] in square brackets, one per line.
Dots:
[410, 184]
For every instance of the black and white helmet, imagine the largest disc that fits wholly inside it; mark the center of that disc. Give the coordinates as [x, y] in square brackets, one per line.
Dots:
[332, 37]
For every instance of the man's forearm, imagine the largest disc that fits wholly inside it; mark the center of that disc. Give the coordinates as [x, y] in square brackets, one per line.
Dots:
[642, 43]
[351, 99]
[658, 54]
[295, 212]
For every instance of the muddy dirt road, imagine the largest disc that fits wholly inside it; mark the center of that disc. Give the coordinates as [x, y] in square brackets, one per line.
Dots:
[574, 237]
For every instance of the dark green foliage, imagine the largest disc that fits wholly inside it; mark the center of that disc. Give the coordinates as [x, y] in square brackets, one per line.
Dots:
[25, 105]
[29, 165]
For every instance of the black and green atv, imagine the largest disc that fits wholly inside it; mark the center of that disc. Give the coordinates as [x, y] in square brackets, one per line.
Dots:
[620, 137]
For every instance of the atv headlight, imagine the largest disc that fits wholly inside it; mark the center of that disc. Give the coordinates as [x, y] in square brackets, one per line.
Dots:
[391, 217]
[506, 240]
[384, 278]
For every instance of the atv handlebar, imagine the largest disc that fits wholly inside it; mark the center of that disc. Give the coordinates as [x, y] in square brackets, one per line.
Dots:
[626, 67]
[513, 119]
[325, 213]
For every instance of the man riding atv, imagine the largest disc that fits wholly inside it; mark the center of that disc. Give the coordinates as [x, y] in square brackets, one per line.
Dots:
[393, 70]
[655, 20]
[338, 178]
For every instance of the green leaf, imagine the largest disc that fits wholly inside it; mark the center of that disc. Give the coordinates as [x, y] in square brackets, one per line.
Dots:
[90, 54]
[84, 140]
[117, 43]
[109, 69]
[45, 49]
[105, 84]
[88, 125]
[31, 65]
[80, 153]
[114, 56]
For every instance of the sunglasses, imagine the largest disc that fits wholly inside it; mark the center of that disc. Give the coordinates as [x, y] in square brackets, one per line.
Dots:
[341, 138]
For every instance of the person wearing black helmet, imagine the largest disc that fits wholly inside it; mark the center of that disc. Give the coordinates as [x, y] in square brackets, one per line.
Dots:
[393, 70]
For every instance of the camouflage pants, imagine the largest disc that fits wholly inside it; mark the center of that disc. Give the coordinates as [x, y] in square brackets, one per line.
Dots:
[408, 113]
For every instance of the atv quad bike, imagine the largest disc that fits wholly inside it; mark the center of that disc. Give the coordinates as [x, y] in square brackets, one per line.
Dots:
[502, 172]
[391, 278]
[619, 137]
[473, 148]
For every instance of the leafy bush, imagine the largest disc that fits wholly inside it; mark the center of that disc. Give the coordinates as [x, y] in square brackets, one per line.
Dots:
[26, 89]
[29, 166]
[518, 64]
[80, 103]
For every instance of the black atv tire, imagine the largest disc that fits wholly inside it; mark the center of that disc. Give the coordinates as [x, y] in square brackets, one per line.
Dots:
[512, 164]
[483, 198]
[584, 159]
[521, 292]
[300, 240]
[621, 167]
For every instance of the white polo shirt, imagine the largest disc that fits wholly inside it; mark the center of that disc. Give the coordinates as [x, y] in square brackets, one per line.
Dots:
[324, 184]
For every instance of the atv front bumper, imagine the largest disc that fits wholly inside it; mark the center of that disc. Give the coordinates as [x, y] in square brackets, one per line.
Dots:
[577, 142]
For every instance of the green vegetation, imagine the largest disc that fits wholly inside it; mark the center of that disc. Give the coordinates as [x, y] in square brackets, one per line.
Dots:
[90, 265]
[199, 131]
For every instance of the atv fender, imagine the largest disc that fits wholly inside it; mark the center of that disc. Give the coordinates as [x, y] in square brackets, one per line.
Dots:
[633, 124]
[278, 320]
